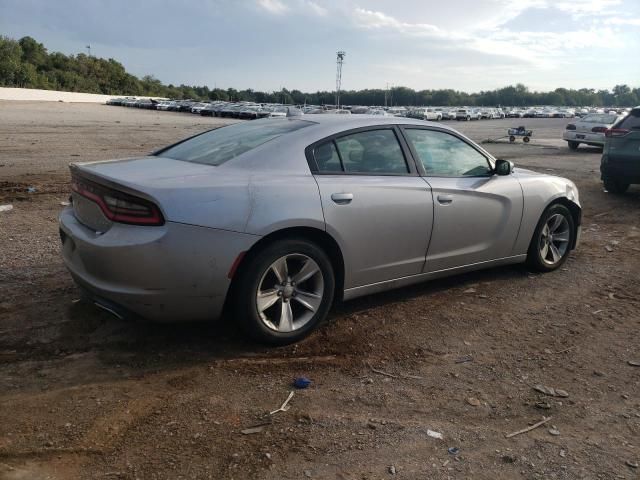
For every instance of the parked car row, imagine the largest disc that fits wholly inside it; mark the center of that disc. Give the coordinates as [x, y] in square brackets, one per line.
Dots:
[244, 110]
[251, 111]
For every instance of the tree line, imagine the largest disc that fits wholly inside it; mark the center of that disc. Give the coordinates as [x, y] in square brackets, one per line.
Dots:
[26, 63]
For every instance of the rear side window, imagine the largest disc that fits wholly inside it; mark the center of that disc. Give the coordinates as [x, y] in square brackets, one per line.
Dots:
[631, 121]
[223, 144]
[375, 152]
[327, 158]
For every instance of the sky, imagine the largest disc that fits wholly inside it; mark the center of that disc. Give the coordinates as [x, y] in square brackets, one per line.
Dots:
[468, 45]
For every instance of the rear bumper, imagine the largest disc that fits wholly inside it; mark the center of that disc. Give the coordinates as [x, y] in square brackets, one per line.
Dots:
[175, 272]
[584, 137]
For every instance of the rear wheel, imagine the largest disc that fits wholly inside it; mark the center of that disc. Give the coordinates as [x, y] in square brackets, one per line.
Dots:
[613, 185]
[285, 291]
[552, 239]
[573, 145]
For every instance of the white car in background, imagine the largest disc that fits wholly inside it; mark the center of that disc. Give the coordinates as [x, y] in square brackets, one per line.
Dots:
[467, 114]
[589, 130]
[433, 114]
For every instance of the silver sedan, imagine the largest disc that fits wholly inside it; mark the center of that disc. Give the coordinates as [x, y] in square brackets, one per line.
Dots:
[276, 219]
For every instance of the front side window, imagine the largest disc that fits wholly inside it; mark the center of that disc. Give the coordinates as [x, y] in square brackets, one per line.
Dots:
[445, 155]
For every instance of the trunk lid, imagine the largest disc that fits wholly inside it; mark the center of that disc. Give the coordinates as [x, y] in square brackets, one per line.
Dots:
[184, 192]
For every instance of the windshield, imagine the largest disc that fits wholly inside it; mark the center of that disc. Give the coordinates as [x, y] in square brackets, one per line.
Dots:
[220, 145]
[600, 118]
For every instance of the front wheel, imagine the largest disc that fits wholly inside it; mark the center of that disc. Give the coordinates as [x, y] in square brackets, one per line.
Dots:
[573, 145]
[552, 239]
[612, 185]
[284, 291]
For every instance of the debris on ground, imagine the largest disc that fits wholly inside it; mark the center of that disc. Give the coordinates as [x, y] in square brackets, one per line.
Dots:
[528, 429]
[474, 402]
[554, 431]
[392, 470]
[552, 392]
[634, 363]
[453, 450]
[632, 464]
[301, 382]
[32, 189]
[6, 208]
[252, 430]
[285, 406]
[464, 359]
[434, 434]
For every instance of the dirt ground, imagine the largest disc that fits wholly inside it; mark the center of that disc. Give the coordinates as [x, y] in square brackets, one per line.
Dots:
[83, 395]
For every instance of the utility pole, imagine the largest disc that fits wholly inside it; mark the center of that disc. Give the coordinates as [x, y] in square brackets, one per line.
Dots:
[88, 47]
[339, 61]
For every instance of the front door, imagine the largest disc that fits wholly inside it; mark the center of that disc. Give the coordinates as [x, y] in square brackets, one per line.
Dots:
[477, 213]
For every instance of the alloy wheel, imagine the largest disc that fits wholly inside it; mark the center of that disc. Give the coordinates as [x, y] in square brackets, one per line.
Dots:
[554, 239]
[290, 292]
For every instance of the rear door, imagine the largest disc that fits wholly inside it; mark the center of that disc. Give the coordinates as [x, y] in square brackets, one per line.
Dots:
[476, 213]
[375, 204]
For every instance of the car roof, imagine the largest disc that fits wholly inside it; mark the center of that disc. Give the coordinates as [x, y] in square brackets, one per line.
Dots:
[347, 122]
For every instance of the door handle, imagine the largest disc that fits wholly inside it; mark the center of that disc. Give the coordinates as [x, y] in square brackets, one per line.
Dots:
[445, 199]
[342, 198]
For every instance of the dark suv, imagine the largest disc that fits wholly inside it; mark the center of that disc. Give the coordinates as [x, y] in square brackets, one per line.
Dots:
[620, 164]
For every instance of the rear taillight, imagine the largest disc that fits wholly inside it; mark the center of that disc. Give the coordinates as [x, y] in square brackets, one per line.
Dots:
[118, 206]
[616, 132]
[599, 129]
[571, 126]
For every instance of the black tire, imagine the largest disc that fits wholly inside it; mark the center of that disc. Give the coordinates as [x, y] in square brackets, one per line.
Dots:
[248, 281]
[512, 139]
[534, 257]
[573, 145]
[526, 139]
[616, 186]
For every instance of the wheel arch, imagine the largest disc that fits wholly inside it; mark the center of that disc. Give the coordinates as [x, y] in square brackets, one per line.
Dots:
[320, 237]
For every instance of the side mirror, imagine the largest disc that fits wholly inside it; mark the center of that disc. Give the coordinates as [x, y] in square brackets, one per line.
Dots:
[503, 167]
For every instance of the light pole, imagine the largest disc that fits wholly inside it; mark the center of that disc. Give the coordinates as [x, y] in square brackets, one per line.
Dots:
[339, 61]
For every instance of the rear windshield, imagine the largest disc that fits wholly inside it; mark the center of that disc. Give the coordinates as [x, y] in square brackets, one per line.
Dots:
[631, 121]
[222, 144]
[600, 118]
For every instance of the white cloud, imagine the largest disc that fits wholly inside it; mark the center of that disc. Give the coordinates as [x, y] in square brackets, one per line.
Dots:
[373, 19]
[315, 8]
[585, 7]
[623, 21]
[273, 6]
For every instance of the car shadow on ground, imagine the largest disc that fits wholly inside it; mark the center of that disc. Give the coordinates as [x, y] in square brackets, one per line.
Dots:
[143, 344]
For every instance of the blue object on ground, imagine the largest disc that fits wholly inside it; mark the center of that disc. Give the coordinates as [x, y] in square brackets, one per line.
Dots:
[301, 382]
